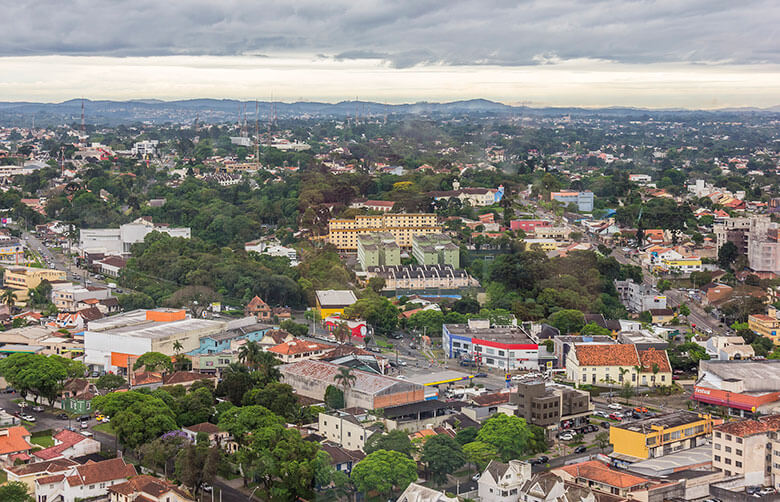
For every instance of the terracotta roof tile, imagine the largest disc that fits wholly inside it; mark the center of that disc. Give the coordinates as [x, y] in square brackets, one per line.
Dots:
[749, 427]
[206, 427]
[596, 471]
[652, 356]
[100, 472]
[298, 346]
[14, 440]
[607, 355]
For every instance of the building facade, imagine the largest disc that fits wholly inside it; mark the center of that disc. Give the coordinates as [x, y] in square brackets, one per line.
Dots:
[344, 233]
[661, 435]
[583, 200]
[504, 347]
[435, 249]
[378, 249]
[639, 297]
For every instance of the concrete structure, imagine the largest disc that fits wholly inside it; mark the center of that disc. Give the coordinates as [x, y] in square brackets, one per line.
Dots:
[435, 249]
[23, 278]
[299, 350]
[110, 266]
[117, 241]
[67, 444]
[660, 435]
[616, 364]
[333, 301]
[383, 206]
[529, 226]
[14, 445]
[504, 347]
[742, 387]
[66, 296]
[764, 246]
[346, 428]
[113, 342]
[551, 405]
[583, 200]
[378, 249]
[369, 391]
[727, 348]
[12, 252]
[639, 297]
[145, 147]
[748, 448]
[344, 233]
[564, 344]
[434, 280]
[273, 249]
[502, 482]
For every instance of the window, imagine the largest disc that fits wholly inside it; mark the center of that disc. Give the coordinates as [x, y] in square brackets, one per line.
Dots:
[739, 453]
[728, 449]
[728, 461]
[728, 437]
[717, 434]
[739, 440]
[717, 446]
[738, 463]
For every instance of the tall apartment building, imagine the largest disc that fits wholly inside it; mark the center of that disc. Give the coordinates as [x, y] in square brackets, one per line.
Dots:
[378, 249]
[639, 297]
[435, 249]
[24, 278]
[735, 230]
[344, 233]
[763, 246]
[749, 448]
[583, 200]
[548, 405]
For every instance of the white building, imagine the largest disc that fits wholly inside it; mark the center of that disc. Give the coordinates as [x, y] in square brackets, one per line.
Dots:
[273, 249]
[420, 493]
[83, 482]
[117, 241]
[502, 482]
[146, 147]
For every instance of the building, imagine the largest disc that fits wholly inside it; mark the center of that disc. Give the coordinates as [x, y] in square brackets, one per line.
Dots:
[433, 280]
[551, 405]
[11, 251]
[110, 266]
[14, 445]
[144, 148]
[528, 226]
[333, 301]
[357, 328]
[598, 476]
[435, 249]
[348, 428]
[763, 246]
[67, 296]
[82, 482]
[728, 348]
[748, 448]
[67, 444]
[370, 391]
[342, 459]
[378, 249]
[563, 345]
[661, 316]
[344, 233]
[23, 279]
[504, 347]
[383, 206]
[639, 297]
[473, 196]
[420, 493]
[216, 436]
[145, 488]
[502, 482]
[110, 343]
[273, 249]
[28, 473]
[117, 241]
[236, 332]
[740, 386]
[766, 325]
[299, 350]
[661, 435]
[583, 200]
[616, 364]
[258, 308]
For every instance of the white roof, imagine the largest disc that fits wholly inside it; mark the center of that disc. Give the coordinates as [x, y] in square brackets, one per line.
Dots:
[336, 297]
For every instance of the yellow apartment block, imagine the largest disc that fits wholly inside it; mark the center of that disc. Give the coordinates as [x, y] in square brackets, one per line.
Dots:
[765, 325]
[662, 435]
[24, 278]
[344, 233]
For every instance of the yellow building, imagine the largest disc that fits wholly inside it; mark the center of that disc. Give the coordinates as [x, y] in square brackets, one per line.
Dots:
[765, 325]
[544, 244]
[344, 233]
[685, 265]
[661, 435]
[333, 301]
[23, 278]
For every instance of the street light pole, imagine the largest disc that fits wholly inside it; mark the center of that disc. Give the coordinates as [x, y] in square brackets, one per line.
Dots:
[252, 494]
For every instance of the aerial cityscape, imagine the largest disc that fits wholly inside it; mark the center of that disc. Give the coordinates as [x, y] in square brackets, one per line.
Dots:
[394, 252]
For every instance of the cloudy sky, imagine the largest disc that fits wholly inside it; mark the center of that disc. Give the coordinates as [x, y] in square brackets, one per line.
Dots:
[653, 53]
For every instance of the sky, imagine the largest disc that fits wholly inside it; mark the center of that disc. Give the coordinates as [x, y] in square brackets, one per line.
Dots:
[645, 53]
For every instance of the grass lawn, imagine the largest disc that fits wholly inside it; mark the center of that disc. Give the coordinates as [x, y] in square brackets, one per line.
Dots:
[45, 441]
[3, 477]
[105, 428]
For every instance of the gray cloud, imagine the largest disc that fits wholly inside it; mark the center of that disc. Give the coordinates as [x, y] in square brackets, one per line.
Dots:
[403, 33]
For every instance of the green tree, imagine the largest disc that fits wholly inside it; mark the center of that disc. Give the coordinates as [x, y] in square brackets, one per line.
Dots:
[466, 435]
[277, 397]
[15, 491]
[195, 407]
[109, 382]
[236, 382]
[9, 298]
[135, 301]
[568, 320]
[136, 417]
[196, 464]
[602, 440]
[480, 454]
[664, 285]
[684, 310]
[345, 378]
[377, 311]
[511, 436]
[384, 472]
[154, 361]
[240, 422]
[443, 455]
[334, 397]
[332, 485]
[292, 327]
[593, 329]
[395, 440]
[428, 321]
[727, 254]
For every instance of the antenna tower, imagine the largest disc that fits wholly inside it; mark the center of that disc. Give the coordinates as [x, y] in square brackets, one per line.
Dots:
[83, 122]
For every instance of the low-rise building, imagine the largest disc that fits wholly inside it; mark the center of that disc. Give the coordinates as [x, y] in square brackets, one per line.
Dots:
[661, 435]
[14, 445]
[740, 386]
[766, 325]
[28, 473]
[117, 241]
[502, 482]
[216, 436]
[333, 301]
[433, 280]
[299, 350]
[67, 444]
[505, 347]
[583, 200]
[145, 488]
[551, 405]
[639, 297]
[347, 428]
[420, 493]
[529, 226]
[82, 482]
[22, 279]
[370, 391]
[617, 364]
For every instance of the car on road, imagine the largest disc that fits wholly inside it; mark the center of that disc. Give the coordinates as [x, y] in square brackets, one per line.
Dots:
[37, 408]
[28, 418]
[84, 425]
[602, 414]
[565, 437]
[481, 375]
[614, 406]
[580, 449]
[604, 425]
[616, 416]
[641, 409]
[62, 416]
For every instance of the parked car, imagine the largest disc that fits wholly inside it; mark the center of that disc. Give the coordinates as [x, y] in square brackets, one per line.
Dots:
[604, 425]
[28, 418]
[480, 375]
[767, 491]
[37, 408]
[580, 449]
[614, 406]
[640, 409]
[84, 425]
[566, 437]
[62, 416]
[544, 459]
[476, 476]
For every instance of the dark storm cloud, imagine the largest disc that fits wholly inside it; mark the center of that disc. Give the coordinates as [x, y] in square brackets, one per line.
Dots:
[403, 33]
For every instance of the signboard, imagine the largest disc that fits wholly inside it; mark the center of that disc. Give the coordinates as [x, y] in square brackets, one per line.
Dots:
[549, 365]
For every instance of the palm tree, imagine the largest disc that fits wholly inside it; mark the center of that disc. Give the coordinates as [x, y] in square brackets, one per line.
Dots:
[249, 354]
[177, 346]
[9, 298]
[656, 369]
[342, 332]
[345, 377]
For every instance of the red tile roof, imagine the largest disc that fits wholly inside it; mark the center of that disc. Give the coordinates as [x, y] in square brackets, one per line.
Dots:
[298, 346]
[13, 440]
[66, 438]
[100, 472]
[187, 377]
[50, 466]
[594, 470]
[652, 356]
[749, 427]
[607, 355]
[206, 427]
[149, 485]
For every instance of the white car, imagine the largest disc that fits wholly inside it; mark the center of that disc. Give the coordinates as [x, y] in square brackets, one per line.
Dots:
[28, 418]
[614, 406]
[566, 437]
[476, 476]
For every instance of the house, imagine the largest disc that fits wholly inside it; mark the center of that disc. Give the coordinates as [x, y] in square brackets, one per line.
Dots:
[78, 320]
[342, 459]
[275, 337]
[145, 488]
[613, 364]
[67, 444]
[716, 293]
[420, 493]
[110, 266]
[502, 482]
[299, 350]
[346, 429]
[215, 435]
[356, 328]
[14, 445]
[661, 316]
[596, 475]
[333, 301]
[80, 482]
[258, 308]
[187, 378]
[76, 396]
[28, 473]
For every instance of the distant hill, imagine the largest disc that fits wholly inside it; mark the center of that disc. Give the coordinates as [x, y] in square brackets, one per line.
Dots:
[106, 112]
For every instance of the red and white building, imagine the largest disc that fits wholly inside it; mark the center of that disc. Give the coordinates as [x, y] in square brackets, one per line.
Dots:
[503, 347]
[528, 226]
[743, 387]
[357, 328]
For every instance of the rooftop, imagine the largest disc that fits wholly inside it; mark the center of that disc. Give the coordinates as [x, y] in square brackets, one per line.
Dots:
[335, 297]
[594, 470]
[750, 427]
[365, 382]
[667, 421]
[607, 355]
[298, 346]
